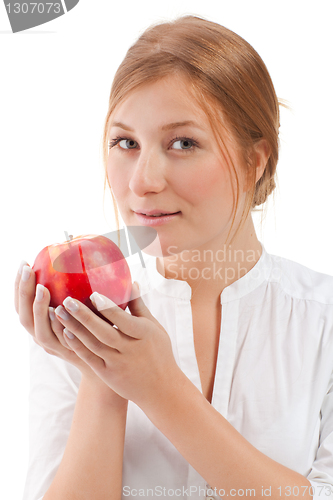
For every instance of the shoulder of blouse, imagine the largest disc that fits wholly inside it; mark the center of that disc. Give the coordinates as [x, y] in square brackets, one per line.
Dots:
[301, 282]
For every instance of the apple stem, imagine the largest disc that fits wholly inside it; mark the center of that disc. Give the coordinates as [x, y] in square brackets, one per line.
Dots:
[68, 237]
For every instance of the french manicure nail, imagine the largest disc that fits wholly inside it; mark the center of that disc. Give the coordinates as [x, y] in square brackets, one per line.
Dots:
[70, 304]
[26, 271]
[98, 300]
[68, 334]
[23, 263]
[51, 314]
[60, 311]
[39, 292]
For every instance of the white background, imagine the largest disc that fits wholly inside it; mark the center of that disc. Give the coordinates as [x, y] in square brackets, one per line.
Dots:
[55, 82]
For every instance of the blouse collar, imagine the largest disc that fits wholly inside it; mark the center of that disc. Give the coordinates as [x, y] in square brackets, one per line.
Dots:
[150, 279]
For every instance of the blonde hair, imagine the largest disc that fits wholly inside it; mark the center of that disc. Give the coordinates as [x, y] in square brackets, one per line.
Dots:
[226, 75]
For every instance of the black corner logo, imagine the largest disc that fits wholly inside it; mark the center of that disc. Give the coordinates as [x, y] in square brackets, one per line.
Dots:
[25, 15]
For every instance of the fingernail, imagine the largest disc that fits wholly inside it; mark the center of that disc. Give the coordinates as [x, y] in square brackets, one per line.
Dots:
[98, 300]
[26, 271]
[23, 263]
[51, 314]
[70, 304]
[68, 334]
[60, 311]
[39, 292]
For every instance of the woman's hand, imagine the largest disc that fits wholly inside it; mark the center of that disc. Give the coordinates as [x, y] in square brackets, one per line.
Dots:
[47, 333]
[134, 357]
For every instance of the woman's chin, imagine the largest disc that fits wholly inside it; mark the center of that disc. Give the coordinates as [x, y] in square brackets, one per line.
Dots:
[157, 250]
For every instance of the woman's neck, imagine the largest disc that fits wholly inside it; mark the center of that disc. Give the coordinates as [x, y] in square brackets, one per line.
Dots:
[211, 268]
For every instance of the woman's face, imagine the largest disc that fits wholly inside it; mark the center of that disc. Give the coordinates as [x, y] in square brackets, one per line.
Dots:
[163, 157]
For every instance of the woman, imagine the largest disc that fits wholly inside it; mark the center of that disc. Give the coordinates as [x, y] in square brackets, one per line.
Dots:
[219, 382]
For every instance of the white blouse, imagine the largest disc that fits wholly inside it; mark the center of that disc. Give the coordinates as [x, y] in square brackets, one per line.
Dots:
[273, 382]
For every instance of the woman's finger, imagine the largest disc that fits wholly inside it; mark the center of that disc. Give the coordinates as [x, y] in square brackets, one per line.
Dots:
[95, 333]
[17, 285]
[120, 318]
[54, 342]
[77, 329]
[44, 333]
[131, 324]
[85, 345]
[26, 296]
[96, 362]
[57, 328]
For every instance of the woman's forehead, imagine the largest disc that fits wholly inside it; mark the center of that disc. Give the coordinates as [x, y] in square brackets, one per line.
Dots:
[177, 96]
[170, 88]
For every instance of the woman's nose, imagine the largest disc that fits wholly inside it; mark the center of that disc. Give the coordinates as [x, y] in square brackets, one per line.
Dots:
[148, 175]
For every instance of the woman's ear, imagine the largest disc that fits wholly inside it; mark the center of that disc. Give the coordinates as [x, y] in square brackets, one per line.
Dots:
[262, 154]
[257, 166]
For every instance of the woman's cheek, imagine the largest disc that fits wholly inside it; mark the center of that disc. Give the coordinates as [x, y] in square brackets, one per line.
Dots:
[117, 181]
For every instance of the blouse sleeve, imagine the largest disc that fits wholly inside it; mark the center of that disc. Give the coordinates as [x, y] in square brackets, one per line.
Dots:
[321, 475]
[54, 387]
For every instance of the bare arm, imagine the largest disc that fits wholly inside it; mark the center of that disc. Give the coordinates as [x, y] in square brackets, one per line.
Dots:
[92, 463]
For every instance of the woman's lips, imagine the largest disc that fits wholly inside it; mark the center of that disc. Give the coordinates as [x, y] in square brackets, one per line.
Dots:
[148, 220]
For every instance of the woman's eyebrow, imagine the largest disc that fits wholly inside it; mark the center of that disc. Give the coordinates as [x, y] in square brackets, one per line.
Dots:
[168, 126]
[171, 126]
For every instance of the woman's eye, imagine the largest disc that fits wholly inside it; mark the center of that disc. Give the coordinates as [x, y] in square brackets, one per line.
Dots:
[178, 143]
[183, 144]
[128, 144]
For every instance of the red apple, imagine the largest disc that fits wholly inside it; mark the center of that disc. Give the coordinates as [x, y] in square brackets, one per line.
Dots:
[83, 265]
